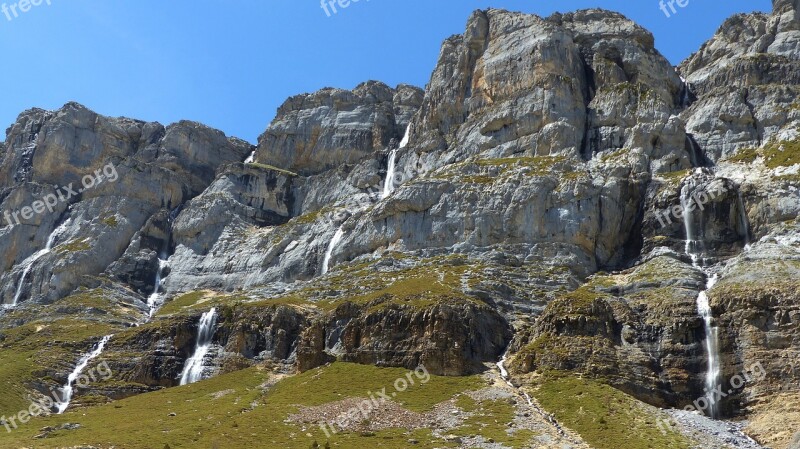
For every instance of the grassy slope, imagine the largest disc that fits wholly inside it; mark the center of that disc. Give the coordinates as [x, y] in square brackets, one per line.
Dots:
[47, 341]
[246, 417]
[605, 417]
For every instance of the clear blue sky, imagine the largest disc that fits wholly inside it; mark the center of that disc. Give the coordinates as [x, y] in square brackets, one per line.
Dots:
[231, 63]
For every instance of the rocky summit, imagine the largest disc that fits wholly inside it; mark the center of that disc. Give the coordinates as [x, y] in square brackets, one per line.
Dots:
[562, 241]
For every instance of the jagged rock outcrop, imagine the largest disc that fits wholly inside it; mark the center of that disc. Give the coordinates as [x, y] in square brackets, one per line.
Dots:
[316, 132]
[746, 79]
[448, 338]
[110, 176]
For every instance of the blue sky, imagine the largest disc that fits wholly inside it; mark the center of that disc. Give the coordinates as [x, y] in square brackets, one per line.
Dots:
[230, 64]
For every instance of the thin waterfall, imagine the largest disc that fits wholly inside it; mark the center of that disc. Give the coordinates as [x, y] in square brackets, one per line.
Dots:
[714, 371]
[388, 188]
[250, 159]
[28, 263]
[744, 222]
[67, 391]
[685, 94]
[693, 248]
[694, 151]
[388, 184]
[692, 245]
[337, 237]
[406, 137]
[193, 371]
[156, 299]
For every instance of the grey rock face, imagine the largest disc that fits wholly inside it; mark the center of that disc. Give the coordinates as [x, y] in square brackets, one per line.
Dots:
[746, 80]
[316, 132]
[153, 168]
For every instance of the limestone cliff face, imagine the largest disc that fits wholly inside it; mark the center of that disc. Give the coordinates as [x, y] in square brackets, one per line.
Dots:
[533, 208]
[316, 132]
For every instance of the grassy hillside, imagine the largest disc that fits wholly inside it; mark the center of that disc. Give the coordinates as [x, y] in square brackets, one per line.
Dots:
[246, 409]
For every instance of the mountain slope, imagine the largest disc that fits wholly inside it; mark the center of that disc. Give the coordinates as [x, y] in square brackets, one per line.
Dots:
[558, 197]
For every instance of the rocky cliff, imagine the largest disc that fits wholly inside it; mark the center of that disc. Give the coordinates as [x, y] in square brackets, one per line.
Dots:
[559, 196]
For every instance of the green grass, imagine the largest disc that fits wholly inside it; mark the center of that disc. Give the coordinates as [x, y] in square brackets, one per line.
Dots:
[186, 302]
[74, 246]
[744, 156]
[490, 419]
[16, 366]
[782, 154]
[31, 351]
[674, 177]
[237, 411]
[776, 154]
[605, 417]
[111, 221]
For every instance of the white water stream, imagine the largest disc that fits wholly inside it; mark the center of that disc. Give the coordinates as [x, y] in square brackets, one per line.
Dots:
[156, 299]
[193, 371]
[388, 183]
[713, 378]
[67, 390]
[337, 237]
[28, 263]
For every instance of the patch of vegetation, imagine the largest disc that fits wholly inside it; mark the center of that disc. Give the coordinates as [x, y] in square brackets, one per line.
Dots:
[74, 246]
[782, 154]
[492, 170]
[775, 154]
[310, 217]
[490, 420]
[605, 417]
[674, 177]
[183, 302]
[429, 283]
[111, 221]
[658, 270]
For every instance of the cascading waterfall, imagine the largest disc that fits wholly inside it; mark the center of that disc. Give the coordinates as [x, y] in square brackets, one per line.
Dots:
[193, 371]
[250, 159]
[714, 372]
[388, 184]
[685, 94]
[67, 390]
[337, 237]
[28, 263]
[695, 153]
[156, 299]
[388, 188]
[693, 248]
[692, 245]
[406, 137]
